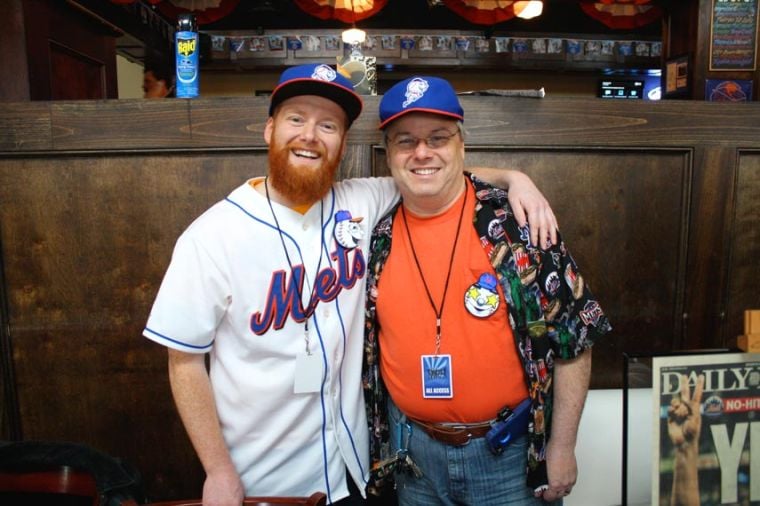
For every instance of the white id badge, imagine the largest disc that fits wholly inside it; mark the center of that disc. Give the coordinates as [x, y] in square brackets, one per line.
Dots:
[436, 377]
[308, 373]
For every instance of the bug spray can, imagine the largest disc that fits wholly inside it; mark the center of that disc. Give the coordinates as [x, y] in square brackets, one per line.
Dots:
[187, 50]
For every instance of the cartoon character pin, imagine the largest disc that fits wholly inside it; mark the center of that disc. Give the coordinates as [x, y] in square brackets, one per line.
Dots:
[348, 232]
[482, 299]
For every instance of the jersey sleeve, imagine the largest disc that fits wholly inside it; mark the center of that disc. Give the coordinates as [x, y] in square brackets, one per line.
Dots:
[379, 194]
[191, 301]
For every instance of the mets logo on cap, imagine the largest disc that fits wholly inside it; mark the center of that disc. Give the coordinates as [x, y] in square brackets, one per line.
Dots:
[324, 73]
[415, 89]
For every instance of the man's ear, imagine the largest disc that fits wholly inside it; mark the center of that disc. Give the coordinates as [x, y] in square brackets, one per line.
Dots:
[268, 130]
[164, 87]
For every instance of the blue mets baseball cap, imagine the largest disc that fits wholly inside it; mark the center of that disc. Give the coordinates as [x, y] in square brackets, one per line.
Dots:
[420, 94]
[321, 80]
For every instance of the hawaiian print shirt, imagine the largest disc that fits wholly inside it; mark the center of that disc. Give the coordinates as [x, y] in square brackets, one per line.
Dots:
[551, 310]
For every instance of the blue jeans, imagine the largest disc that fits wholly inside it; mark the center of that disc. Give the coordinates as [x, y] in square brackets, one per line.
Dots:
[461, 475]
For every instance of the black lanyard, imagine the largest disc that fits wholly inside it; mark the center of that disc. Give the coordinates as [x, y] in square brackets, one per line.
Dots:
[438, 311]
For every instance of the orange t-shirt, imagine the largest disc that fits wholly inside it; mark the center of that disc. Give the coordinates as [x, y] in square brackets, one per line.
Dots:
[486, 371]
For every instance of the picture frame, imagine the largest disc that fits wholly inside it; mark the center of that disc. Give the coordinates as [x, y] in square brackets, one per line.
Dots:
[677, 79]
[733, 35]
[728, 90]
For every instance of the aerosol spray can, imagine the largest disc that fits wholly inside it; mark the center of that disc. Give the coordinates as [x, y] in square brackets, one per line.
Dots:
[187, 51]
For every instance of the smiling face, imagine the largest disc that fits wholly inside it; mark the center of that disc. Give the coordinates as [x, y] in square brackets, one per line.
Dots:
[430, 178]
[306, 138]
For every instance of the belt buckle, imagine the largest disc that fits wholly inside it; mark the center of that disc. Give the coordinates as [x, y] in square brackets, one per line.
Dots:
[466, 432]
[453, 435]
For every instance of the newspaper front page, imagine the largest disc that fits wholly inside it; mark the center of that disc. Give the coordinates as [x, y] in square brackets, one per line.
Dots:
[706, 439]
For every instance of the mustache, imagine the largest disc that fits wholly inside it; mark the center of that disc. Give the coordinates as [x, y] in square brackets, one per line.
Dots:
[300, 185]
[317, 148]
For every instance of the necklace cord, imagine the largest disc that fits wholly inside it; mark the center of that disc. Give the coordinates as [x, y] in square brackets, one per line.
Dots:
[307, 313]
[438, 311]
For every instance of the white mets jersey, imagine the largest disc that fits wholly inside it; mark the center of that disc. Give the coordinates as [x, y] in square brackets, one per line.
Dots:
[231, 290]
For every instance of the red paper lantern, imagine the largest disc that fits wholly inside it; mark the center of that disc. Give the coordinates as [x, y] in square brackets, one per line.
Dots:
[347, 11]
[482, 12]
[623, 14]
[203, 17]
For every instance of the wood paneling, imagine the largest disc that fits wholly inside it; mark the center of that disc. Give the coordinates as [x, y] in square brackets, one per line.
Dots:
[87, 238]
[70, 55]
[744, 268]
[75, 76]
[14, 86]
[630, 253]
[657, 201]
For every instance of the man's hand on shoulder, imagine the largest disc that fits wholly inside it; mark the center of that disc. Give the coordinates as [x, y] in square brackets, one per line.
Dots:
[528, 203]
[531, 207]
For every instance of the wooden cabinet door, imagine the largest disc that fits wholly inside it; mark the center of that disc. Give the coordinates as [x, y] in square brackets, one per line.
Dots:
[70, 55]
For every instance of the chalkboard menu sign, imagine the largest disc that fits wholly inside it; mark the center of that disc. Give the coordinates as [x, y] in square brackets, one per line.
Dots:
[733, 35]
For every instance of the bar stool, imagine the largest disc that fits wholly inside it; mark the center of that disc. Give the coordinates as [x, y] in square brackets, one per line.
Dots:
[63, 480]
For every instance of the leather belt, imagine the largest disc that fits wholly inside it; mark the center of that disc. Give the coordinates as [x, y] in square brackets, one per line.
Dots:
[454, 435]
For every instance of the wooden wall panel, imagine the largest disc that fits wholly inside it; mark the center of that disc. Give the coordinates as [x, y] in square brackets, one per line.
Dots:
[64, 47]
[88, 239]
[658, 203]
[711, 201]
[74, 75]
[743, 272]
[14, 86]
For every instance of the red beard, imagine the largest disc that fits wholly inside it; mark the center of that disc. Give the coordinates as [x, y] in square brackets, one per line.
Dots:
[300, 185]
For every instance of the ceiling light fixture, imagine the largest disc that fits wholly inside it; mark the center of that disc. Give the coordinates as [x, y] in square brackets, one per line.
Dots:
[353, 35]
[529, 9]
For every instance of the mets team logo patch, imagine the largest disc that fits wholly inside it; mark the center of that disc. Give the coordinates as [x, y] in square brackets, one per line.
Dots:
[324, 73]
[348, 232]
[415, 90]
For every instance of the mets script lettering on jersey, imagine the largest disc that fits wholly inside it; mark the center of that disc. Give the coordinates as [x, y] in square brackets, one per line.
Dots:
[283, 298]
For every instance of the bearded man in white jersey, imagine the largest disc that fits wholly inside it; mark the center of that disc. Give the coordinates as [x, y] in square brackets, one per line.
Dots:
[270, 282]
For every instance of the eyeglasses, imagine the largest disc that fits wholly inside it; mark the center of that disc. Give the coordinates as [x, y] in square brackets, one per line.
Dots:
[408, 143]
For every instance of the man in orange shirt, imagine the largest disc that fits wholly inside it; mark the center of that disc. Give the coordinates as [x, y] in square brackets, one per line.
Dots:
[466, 317]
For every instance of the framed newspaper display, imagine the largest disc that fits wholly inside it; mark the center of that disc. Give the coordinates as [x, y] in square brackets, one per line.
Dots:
[706, 429]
